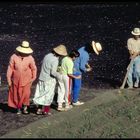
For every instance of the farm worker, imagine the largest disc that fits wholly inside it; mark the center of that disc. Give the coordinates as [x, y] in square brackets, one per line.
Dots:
[133, 45]
[64, 88]
[45, 89]
[21, 73]
[81, 65]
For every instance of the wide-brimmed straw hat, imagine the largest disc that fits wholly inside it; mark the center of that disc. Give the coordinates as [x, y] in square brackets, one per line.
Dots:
[136, 31]
[24, 48]
[96, 47]
[61, 50]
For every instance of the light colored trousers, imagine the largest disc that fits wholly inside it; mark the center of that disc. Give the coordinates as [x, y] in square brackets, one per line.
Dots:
[134, 73]
[64, 91]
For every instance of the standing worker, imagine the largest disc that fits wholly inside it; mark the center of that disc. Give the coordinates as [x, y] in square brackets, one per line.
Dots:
[133, 45]
[21, 73]
[45, 89]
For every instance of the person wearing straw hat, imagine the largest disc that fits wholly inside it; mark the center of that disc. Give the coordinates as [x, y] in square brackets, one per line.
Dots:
[81, 65]
[45, 89]
[133, 45]
[21, 73]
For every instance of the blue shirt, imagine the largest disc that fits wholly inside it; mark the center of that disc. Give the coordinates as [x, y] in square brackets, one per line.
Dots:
[81, 61]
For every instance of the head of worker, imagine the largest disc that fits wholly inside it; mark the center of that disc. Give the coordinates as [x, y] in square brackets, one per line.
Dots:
[24, 49]
[93, 47]
[60, 50]
[136, 33]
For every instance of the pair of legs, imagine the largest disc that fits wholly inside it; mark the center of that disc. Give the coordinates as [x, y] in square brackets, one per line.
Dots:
[64, 91]
[43, 110]
[136, 84]
[134, 73]
[76, 87]
[44, 94]
[131, 76]
[19, 96]
[137, 71]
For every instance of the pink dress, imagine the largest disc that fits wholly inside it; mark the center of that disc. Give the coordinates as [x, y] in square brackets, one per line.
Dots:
[21, 72]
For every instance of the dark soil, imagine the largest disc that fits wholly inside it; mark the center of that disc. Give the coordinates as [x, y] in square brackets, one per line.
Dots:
[47, 25]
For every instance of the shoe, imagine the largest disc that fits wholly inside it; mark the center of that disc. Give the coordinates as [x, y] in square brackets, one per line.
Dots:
[68, 107]
[77, 103]
[25, 110]
[39, 112]
[19, 112]
[61, 109]
[47, 113]
[130, 87]
[136, 85]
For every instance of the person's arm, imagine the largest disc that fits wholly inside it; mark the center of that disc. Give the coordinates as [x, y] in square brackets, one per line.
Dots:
[54, 72]
[84, 66]
[83, 62]
[10, 71]
[129, 47]
[132, 53]
[33, 69]
[73, 76]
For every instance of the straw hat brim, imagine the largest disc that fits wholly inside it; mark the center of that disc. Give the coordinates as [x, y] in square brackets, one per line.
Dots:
[24, 50]
[94, 47]
[60, 52]
[135, 33]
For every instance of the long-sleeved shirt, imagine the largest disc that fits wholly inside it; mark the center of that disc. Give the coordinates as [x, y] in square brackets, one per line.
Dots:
[133, 45]
[21, 71]
[81, 61]
[49, 67]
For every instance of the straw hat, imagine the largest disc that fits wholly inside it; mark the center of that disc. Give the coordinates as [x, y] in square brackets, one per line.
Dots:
[136, 31]
[61, 50]
[96, 47]
[24, 48]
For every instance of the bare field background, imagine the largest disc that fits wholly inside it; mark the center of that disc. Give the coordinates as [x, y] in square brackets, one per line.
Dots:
[45, 25]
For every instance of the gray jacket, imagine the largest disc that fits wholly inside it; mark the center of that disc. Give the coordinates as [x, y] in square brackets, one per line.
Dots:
[49, 68]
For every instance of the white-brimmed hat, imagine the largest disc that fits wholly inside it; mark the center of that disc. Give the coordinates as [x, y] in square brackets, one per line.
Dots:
[24, 48]
[136, 31]
[96, 47]
[61, 50]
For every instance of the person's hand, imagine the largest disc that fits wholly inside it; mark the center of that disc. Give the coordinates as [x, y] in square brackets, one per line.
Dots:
[60, 78]
[78, 77]
[59, 69]
[32, 80]
[134, 55]
[9, 84]
[89, 69]
[88, 66]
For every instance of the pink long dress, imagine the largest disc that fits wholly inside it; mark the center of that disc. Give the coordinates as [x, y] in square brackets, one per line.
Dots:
[21, 72]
